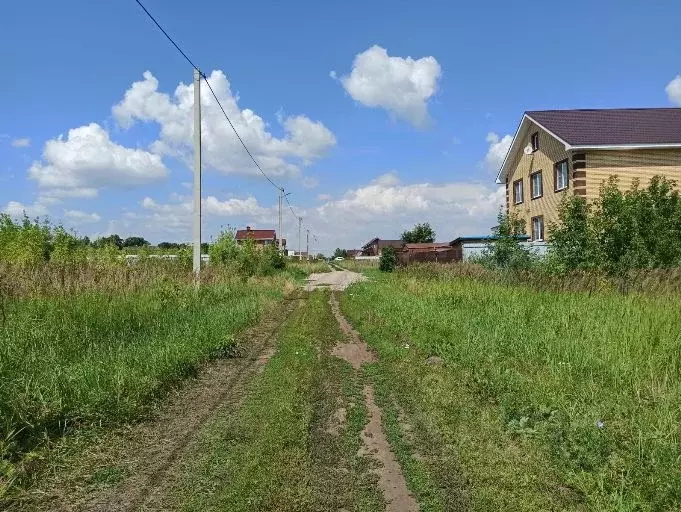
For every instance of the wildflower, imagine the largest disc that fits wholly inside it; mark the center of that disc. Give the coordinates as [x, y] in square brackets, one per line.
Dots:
[406, 345]
[600, 424]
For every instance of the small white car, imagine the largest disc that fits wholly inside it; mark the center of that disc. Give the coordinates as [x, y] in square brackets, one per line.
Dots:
[339, 258]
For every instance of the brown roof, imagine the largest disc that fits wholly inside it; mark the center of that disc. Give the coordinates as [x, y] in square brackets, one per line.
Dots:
[383, 243]
[255, 234]
[612, 126]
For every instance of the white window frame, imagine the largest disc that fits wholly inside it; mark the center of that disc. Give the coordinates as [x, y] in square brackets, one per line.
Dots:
[561, 169]
[539, 219]
[541, 185]
[522, 192]
[534, 141]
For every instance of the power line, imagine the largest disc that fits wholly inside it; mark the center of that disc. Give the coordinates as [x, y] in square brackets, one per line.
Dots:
[205, 78]
[212, 92]
[170, 38]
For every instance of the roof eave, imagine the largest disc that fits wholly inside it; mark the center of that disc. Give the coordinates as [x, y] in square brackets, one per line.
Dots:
[583, 147]
[504, 171]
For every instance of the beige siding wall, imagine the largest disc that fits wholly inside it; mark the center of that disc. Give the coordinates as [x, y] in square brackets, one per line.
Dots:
[550, 152]
[630, 164]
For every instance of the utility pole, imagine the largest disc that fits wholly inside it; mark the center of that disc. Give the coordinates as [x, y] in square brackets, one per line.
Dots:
[300, 251]
[308, 244]
[197, 178]
[281, 197]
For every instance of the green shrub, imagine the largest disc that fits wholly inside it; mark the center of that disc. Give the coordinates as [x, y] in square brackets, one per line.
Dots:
[620, 231]
[388, 260]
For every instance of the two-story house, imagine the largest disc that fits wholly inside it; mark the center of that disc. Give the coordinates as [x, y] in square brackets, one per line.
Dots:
[259, 236]
[556, 152]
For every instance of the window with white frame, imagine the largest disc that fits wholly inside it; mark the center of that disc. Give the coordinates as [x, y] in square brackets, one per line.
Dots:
[518, 191]
[561, 175]
[534, 140]
[536, 185]
[538, 228]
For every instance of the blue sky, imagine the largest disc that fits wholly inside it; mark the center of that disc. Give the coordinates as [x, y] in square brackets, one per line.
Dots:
[409, 127]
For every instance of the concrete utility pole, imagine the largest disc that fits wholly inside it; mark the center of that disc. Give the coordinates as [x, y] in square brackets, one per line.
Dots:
[197, 178]
[300, 251]
[281, 197]
[308, 244]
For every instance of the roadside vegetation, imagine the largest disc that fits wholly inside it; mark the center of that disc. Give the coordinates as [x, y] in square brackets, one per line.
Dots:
[550, 398]
[89, 339]
[619, 232]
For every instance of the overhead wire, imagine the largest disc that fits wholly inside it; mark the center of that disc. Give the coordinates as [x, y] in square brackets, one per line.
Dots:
[205, 78]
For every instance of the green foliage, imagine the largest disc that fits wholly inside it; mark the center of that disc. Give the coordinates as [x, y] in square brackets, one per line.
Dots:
[134, 241]
[169, 245]
[636, 229]
[587, 383]
[505, 251]
[26, 242]
[388, 260]
[574, 244]
[340, 253]
[67, 248]
[114, 240]
[103, 356]
[422, 233]
[224, 249]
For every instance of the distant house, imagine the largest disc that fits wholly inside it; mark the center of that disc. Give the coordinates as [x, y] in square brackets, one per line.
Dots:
[259, 236]
[352, 253]
[556, 152]
[375, 246]
[467, 247]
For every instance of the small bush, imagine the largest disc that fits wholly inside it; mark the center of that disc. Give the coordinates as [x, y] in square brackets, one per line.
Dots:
[388, 260]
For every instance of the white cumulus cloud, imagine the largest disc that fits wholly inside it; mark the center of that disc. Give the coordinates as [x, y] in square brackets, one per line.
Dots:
[16, 209]
[21, 143]
[304, 140]
[498, 148]
[402, 86]
[88, 160]
[386, 206]
[673, 91]
[80, 217]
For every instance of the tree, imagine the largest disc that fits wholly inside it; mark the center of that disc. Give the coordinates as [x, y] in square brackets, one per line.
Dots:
[639, 228]
[169, 245]
[135, 241]
[113, 240]
[388, 260]
[340, 253]
[224, 249]
[505, 250]
[421, 234]
[574, 245]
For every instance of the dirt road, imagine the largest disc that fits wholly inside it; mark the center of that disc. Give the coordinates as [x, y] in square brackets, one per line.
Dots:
[337, 280]
[292, 424]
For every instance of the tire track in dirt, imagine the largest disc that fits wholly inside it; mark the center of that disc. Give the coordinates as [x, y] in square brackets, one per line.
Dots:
[222, 384]
[391, 479]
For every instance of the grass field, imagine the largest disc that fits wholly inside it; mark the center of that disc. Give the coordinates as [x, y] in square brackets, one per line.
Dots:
[102, 354]
[544, 400]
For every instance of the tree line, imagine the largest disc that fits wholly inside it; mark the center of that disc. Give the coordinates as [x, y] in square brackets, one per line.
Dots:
[619, 231]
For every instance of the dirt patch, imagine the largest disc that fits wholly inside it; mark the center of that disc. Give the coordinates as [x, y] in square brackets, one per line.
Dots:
[337, 280]
[390, 477]
[265, 356]
[337, 421]
[153, 449]
[357, 351]
[391, 480]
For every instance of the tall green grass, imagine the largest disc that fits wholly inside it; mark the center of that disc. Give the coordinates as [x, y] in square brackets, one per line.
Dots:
[593, 380]
[101, 354]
